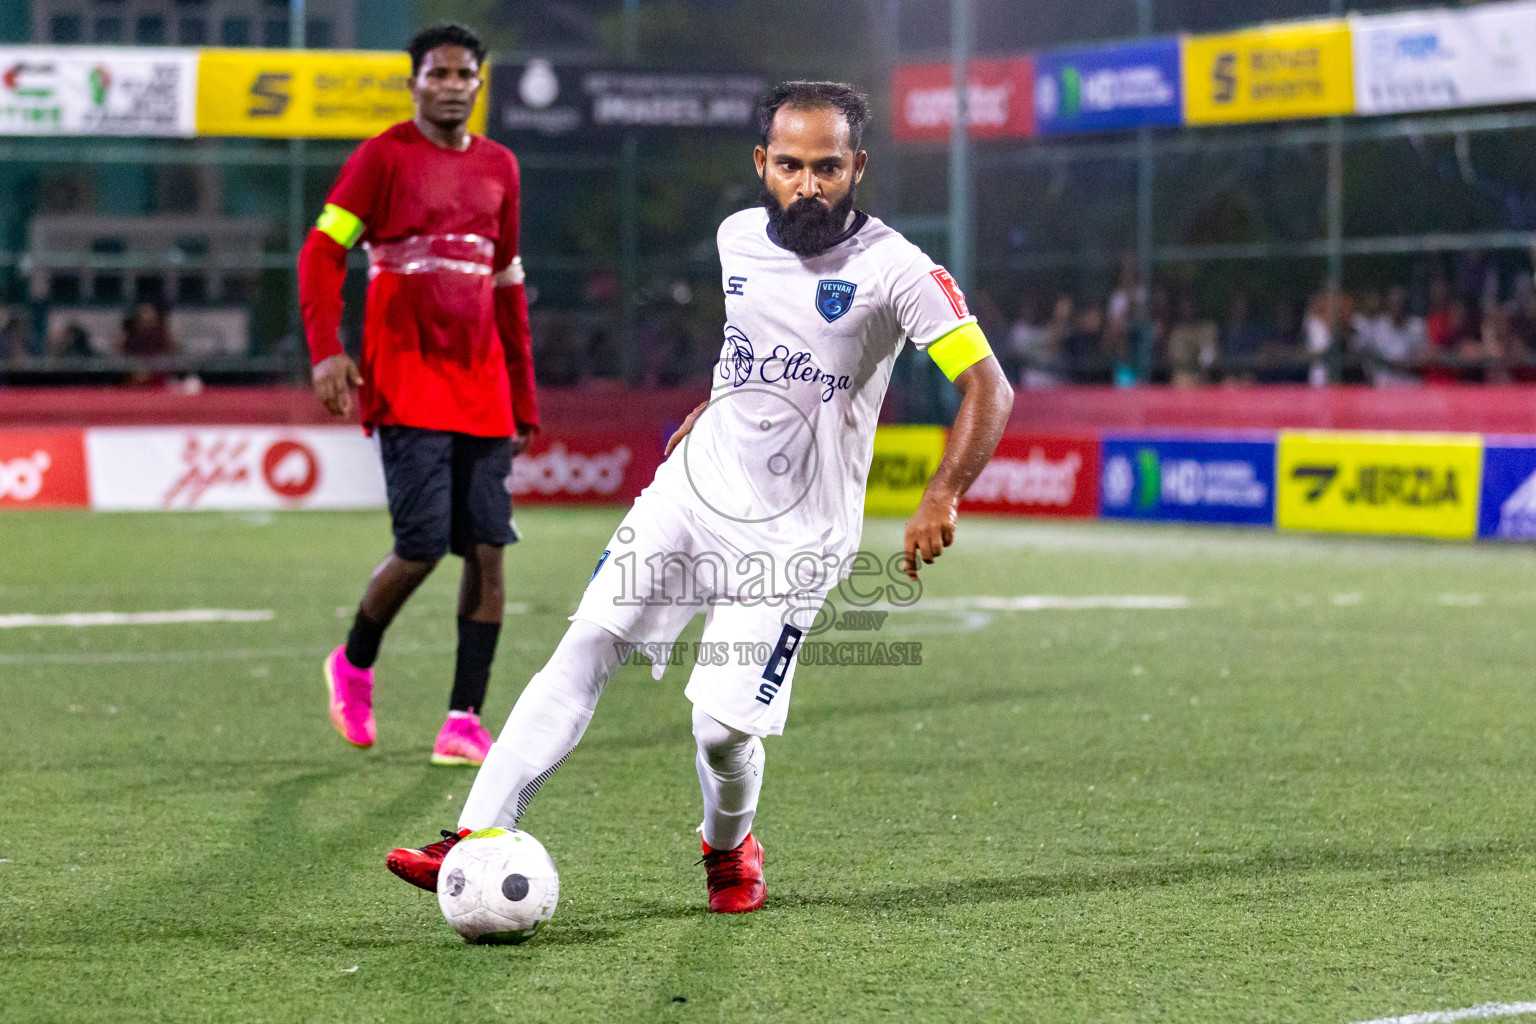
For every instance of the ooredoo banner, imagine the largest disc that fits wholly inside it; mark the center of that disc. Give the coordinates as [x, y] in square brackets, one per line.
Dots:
[43, 469]
[999, 93]
[1425, 485]
[75, 90]
[1187, 479]
[1434, 60]
[178, 468]
[1038, 475]
[585, 467]
[1132, 85]
[1269, 74]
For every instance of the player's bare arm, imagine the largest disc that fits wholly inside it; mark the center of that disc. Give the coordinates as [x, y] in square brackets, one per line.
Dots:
[986, 400]
[683, 431]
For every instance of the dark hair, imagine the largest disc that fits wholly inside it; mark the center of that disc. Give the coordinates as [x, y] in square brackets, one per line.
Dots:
[845, 99]
[429, 39]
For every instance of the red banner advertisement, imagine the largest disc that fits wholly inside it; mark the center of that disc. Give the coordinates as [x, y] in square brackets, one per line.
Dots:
[1000, 94]
[586, 467]
[1039, 475]
[43, 469]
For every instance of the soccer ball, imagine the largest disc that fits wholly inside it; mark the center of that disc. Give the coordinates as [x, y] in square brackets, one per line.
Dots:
[497, 885]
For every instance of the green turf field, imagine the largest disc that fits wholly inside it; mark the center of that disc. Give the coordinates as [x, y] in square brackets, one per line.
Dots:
[1307, 797]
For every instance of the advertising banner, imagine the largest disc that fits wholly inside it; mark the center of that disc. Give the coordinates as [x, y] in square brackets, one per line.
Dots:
[1039, 475]
[177, 468]
[1132, 85]
[1434, 60]
[1269, 74]
[541, 97]
[1425, 485]
[585, 467]
[1508, 507]
[314, 94]
[43, 469]
[1000, 94]
[1186, 479]
[75, 90]
[904, 458]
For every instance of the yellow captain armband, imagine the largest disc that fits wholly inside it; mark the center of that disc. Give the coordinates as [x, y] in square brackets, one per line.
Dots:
[959, 350]
[344, 227]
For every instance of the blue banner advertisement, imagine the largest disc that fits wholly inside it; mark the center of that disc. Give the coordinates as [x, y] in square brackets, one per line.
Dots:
[1182, 479]
[1508, 508]
[1131, 85]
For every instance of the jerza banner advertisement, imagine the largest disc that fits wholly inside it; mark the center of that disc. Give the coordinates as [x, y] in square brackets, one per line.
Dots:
[999, 94]
[1269, 74]
[1189, 479]
[1425, 485]
[1435, 60]
[903, 460]
[551, 100]
[1039, 475]
[316, 94]
[1132, 85]
[52, 90]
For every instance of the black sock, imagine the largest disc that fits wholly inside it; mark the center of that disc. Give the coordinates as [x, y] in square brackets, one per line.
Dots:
[363, 641]
[472, 672]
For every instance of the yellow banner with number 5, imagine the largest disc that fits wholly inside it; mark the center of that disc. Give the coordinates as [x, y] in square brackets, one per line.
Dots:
[1424, 485]
[308, 94]
[1269, 74]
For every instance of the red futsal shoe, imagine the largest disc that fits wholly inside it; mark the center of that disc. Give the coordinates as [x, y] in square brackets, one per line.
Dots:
[735, 878]
[420, 866]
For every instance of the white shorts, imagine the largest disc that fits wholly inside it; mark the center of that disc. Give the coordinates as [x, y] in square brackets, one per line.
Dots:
[662, 568]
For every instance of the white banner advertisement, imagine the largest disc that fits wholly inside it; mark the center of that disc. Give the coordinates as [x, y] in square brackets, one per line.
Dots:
[175, 468]
[78, 90]
[1435, 60]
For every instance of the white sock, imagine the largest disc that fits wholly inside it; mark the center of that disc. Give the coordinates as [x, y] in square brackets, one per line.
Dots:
[545, 725]
[730, 766]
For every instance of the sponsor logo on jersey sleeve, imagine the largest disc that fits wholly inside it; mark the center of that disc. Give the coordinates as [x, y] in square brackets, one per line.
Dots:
[952, 292]
[834, 298]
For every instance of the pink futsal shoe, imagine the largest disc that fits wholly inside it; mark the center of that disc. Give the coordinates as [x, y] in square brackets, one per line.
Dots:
[735, 878]
[461, 741]
[351, 690]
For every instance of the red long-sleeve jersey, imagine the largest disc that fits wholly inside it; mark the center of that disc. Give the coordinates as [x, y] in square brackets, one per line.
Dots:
[446, 344]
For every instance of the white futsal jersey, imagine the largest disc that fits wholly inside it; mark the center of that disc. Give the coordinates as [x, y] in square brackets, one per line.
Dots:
[779, 460]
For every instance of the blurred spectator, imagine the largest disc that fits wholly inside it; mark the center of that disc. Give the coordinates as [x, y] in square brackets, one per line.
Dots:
[1191, 346]
[13, 334]
[146, 335]
[1453, 336]
[1392, 343]
[1123, 313]
[1522, 330]
[556, 359]
[1326, 313]
[1034, 348]
[74, 342]
[1082, 347]
[1241, 339]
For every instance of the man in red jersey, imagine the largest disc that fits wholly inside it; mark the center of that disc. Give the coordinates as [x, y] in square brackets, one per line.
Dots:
[447, 374]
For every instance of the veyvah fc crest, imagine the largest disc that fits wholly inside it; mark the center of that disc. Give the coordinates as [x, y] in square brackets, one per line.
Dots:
[834, 298]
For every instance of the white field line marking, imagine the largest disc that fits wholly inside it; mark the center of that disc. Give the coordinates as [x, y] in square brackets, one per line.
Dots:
[236, 654]
[1481, 1011]
[1041, 603]
[78, 619]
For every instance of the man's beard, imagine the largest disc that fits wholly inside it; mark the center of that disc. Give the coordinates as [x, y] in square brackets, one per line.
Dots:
[807, 227]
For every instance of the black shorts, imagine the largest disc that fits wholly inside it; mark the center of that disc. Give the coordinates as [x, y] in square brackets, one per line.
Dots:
[447, 491]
